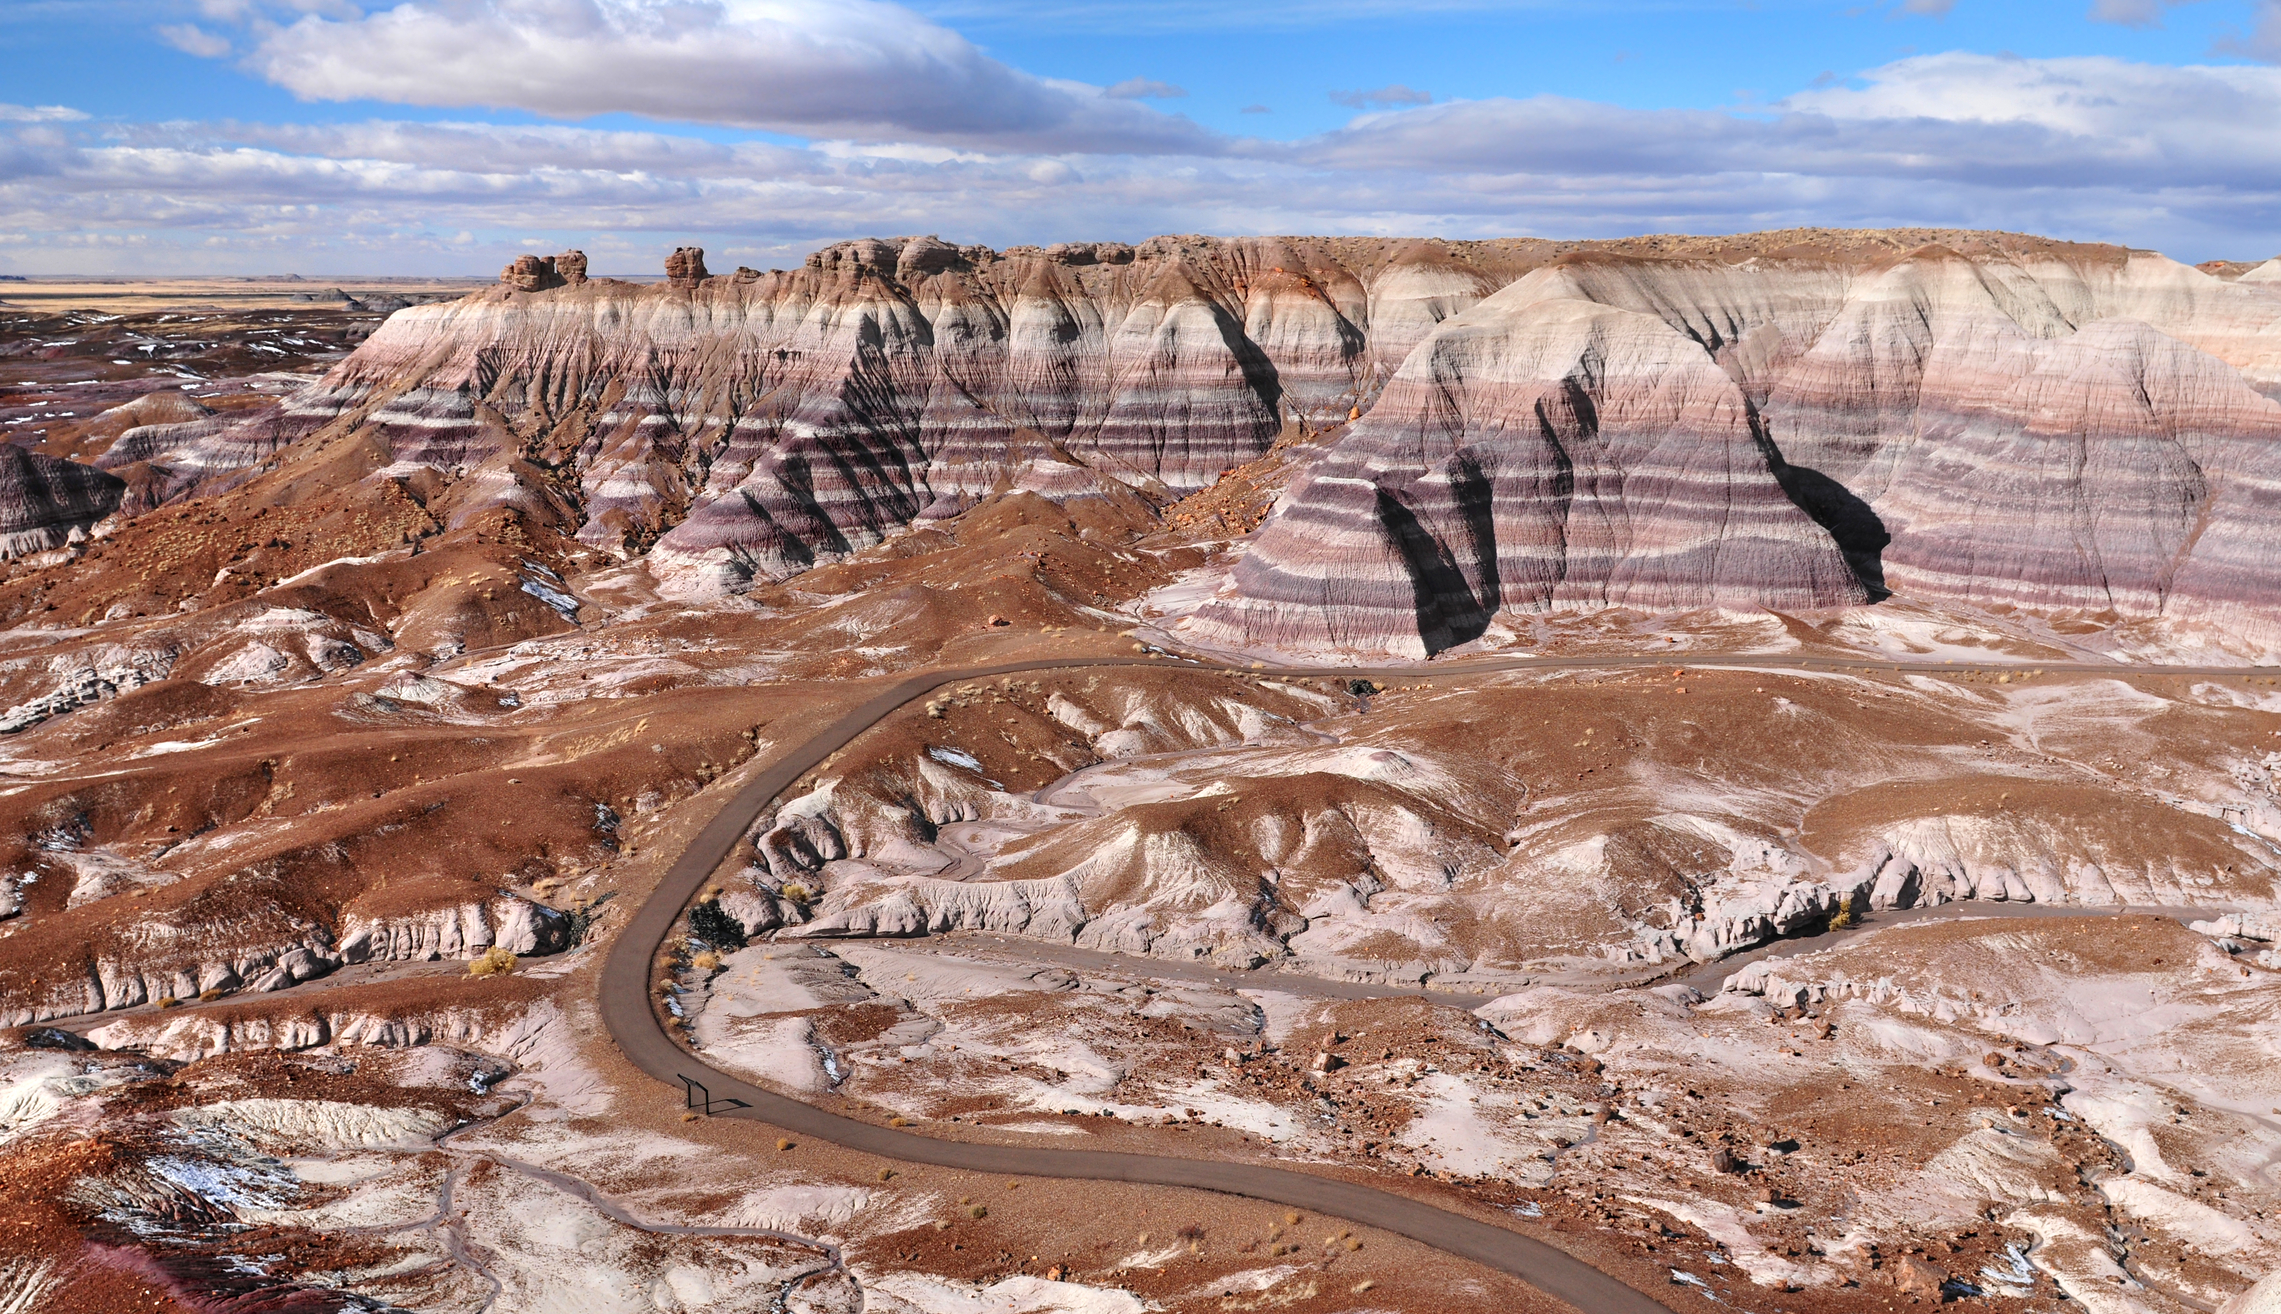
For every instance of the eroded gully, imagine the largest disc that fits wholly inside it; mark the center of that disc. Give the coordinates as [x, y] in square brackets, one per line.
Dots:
[629, 1013]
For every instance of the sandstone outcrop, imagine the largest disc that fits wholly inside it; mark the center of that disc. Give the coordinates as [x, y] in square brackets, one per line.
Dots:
[516, 925]
[530, 273]
[272, 951]
[685, 268]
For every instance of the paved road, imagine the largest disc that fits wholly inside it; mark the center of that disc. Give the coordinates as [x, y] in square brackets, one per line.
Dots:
[630, 1014]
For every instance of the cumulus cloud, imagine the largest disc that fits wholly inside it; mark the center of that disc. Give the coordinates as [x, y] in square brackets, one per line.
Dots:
[1383, 97]
[1144, 89]
[858, 69]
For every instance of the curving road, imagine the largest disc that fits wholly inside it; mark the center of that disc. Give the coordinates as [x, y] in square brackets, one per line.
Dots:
[632, 1019]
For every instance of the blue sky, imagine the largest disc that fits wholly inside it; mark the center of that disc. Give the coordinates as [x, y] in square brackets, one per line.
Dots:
[444, 136]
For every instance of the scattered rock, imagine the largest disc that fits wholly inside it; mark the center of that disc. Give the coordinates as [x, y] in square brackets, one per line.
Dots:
[1914, 1276]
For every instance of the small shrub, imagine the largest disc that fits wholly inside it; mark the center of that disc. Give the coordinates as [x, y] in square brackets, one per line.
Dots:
[708, 922]
[706, 961]
[783, 1143]
[1845, 915]
[209, 996]
[1191, 1232]
[978, 1212]
[886, 1174]
[170, 1002]
[494, 961]
[796, 892]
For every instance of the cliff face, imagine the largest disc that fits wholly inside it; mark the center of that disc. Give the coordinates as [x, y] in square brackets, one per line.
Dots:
[1659, 424]
[747, 425]
[2077, 429]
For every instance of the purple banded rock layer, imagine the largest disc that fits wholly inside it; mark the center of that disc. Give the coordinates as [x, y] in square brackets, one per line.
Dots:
[748, 425]
[2065, 429]
[46, 502]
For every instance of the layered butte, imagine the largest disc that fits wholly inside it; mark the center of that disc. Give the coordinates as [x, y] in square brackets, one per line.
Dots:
[1995, 423]
[745, 426]
[1793, 421]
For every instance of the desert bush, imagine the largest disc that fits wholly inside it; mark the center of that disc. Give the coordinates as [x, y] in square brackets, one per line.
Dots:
[494, 961]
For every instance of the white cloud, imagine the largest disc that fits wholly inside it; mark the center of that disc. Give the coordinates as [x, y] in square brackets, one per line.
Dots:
[194, 41]
[1144, 89]
[858, 69]
[39, 114]
[1383, 98]
[1124, 17]
[2178, 159]
[2128, 13]
[2264, 40]
[1976, 120]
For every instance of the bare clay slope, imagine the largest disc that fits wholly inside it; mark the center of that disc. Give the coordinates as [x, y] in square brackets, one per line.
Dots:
[747, 425]
[2010, 424]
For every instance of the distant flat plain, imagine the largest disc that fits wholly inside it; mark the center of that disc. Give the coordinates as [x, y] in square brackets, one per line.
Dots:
[131, 295]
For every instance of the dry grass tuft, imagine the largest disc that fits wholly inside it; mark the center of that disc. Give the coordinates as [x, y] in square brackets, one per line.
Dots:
[494, 961]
